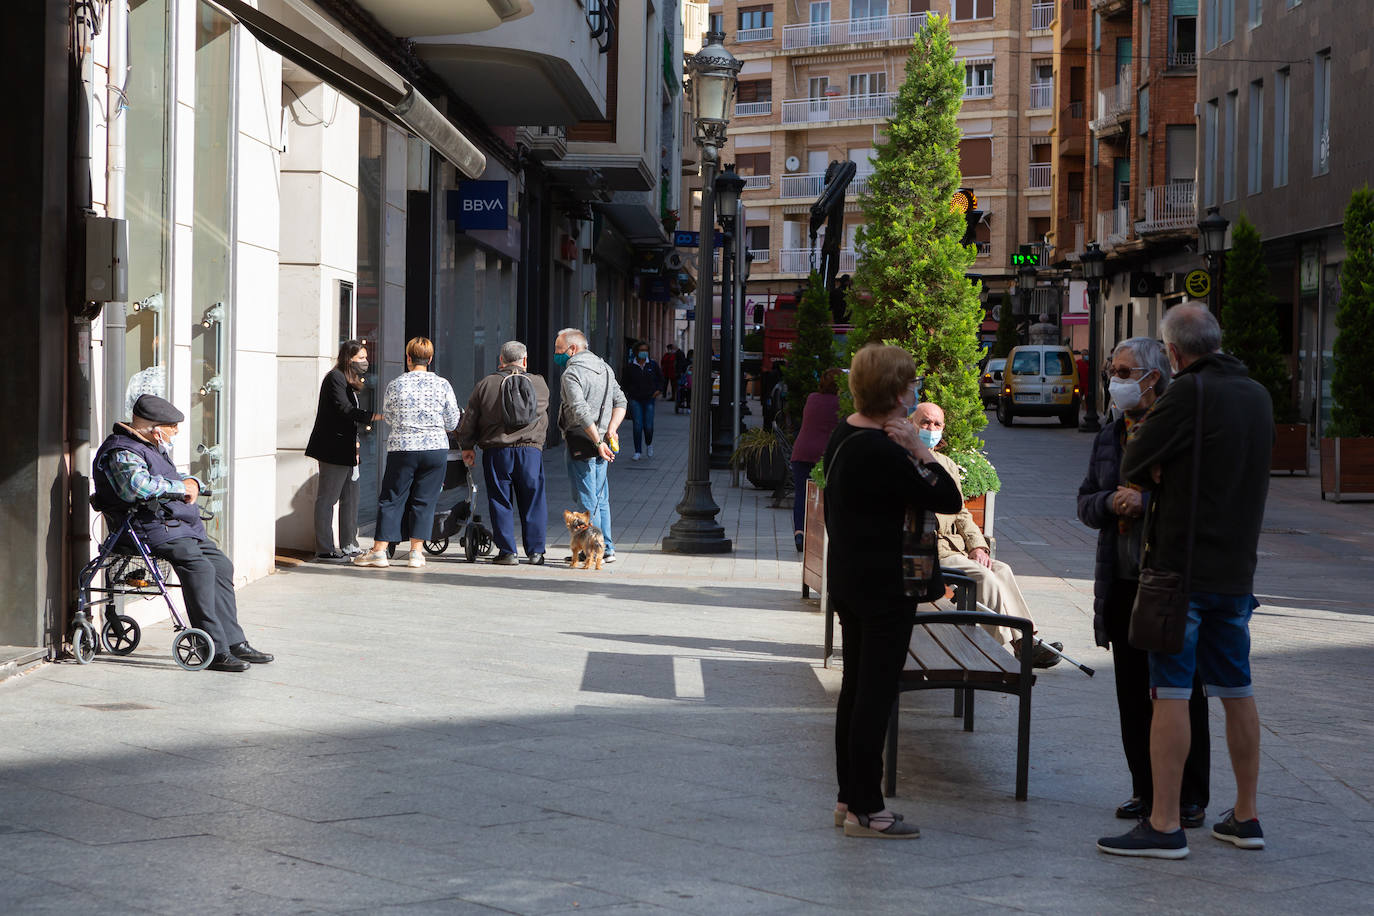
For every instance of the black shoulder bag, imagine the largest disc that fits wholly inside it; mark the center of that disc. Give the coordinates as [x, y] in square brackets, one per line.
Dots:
[1159, 617]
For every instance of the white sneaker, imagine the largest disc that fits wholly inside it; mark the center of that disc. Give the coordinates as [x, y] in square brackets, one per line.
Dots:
[415, 560]
[649, 450]
[635, 456]
[608, 558]
[372, 558]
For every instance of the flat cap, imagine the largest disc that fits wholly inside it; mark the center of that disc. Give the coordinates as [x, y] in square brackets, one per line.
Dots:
[159, 410]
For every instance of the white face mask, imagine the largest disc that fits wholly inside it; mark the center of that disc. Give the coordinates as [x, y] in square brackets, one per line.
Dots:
[1125, 393]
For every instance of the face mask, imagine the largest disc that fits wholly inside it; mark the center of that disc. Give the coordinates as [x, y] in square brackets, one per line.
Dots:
[166, 441]
[360, 366]
[1125, 393]
[642, 357]
[930, 437]
[561, 359]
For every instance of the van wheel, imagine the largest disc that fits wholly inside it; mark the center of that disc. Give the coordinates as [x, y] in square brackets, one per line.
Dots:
[1004, 412]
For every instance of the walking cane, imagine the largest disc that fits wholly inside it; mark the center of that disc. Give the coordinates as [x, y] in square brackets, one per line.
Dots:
[1040, 642]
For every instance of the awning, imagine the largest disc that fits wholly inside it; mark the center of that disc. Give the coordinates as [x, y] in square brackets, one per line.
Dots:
[306, 37]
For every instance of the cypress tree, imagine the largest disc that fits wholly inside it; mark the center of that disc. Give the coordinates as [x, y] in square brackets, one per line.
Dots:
[1006, 328]
[1352, 385]
[1250, 330]
[814, 351]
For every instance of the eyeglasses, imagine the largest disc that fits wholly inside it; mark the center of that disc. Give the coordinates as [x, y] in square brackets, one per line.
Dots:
[1124, 372]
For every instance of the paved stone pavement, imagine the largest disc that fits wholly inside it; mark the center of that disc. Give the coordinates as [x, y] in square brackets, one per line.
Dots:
[656, 737]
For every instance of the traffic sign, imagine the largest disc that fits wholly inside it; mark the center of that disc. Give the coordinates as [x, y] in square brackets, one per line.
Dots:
[1198, 283]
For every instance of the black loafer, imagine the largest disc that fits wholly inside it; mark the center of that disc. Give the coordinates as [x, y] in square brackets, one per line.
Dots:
[1192, 815]
[505, 559]
[1133, 809]
[536, 559]
[226, 662]
[247, 653]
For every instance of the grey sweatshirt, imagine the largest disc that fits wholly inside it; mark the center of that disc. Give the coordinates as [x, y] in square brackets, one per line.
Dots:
[584, 385]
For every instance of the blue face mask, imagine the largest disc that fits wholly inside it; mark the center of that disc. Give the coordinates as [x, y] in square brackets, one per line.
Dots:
[561, 359]
[930, 437]
[642, 356]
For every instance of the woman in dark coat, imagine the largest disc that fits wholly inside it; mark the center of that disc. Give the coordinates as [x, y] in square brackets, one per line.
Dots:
[334, 444]
[1139, 373]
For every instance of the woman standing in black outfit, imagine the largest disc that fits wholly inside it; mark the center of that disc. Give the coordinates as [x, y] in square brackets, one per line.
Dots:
[1139, 374]
[334, 444]
[876, 468]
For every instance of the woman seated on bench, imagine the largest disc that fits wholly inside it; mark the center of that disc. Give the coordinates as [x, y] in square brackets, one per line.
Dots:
[964, 549]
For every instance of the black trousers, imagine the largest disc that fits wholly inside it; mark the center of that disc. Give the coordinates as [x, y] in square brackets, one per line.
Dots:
[1137, 709]
[207, 582]
[876, 637]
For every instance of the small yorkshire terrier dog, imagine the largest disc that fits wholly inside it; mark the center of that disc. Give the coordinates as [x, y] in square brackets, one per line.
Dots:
[588, 543]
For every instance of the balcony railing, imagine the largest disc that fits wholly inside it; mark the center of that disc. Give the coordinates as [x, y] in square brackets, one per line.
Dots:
[798, 260]
[1114, 101]
[978, 92]
[763, 34]
[753, 109]
[1182, 59]
[754, 182]
[809, 184]
[984, 249]
[1114, 226]
[838, 108]
[1169, 206]
[1038, 175]
[760, 255]
[1042, 15]
[1074, 110]
[1041, 95]
[852, 31]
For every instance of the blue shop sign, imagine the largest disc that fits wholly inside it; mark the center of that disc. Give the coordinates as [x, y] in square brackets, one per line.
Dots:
[479, 204]
[682, 238]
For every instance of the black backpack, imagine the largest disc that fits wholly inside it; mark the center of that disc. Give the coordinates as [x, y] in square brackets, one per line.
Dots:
[519, 403]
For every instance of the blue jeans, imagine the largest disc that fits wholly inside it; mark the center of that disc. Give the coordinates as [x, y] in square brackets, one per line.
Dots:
[642, 416]
[592, 493]
[410, 493]
[1216, 644]
[518, 468]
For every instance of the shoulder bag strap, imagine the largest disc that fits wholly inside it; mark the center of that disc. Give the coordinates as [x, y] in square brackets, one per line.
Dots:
[1197, 474]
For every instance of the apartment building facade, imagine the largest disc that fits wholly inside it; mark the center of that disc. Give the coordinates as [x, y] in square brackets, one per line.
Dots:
[1285, 137]
[818, 84]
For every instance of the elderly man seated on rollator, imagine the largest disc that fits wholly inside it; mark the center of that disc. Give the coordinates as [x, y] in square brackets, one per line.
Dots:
[964, 549]
[134, 474]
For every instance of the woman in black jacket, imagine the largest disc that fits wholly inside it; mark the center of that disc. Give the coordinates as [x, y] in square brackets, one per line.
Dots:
[876, 470]
[1139, 373]
[334, 444]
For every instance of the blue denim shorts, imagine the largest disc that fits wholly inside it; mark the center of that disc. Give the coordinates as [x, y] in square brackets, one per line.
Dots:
[1216, 645]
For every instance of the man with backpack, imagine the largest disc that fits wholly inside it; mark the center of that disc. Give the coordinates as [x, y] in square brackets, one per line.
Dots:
[508, 418]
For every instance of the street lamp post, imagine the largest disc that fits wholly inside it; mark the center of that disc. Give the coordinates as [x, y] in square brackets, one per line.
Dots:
[728, 187]
[713, 72]
[1211, 234]
[1094, 262]
[1025, 288]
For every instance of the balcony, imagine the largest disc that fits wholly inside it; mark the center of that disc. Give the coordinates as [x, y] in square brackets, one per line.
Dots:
[763, 34]
[902, 27]
[1038, 175]
[984, 249]
[1073, 25]
[1169, 207]
[544, 143]
[753, 109]
[1109, 9]
[696, 17]
[760, 255]
[876, 106]
[809, 184]
[1114, 103]
[1114, 226]
[757, 182]
[1182, 60]
[1041, 95]
[978, 92]
[1042, 15]
[798, 260]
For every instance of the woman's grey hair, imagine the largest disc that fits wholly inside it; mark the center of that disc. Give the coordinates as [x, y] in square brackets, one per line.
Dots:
[512, 351]
[1192, 329]
[1149, 354]
[572, 336]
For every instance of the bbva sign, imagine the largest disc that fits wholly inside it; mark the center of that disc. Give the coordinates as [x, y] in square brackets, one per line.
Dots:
[479, 204]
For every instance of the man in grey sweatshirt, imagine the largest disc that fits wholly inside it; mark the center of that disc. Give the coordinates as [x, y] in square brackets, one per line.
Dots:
[593, 406]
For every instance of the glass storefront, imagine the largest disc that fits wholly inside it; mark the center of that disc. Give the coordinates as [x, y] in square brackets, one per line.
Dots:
[367, 320]
[212, 263]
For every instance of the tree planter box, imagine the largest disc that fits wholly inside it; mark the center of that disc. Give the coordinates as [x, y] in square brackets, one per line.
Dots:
[1290, 448]
[1347, 467]
[813, 548]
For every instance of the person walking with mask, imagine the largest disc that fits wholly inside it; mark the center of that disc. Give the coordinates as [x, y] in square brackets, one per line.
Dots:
[643, 384]
[334, 444]
[590, 416]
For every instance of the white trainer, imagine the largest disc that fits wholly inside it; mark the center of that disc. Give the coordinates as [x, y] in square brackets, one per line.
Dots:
[635, 456]
[372, 558]
[649, 451]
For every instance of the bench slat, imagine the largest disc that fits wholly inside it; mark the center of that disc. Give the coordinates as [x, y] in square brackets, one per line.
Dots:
[999, 654]
[955, 641]
[925, 656]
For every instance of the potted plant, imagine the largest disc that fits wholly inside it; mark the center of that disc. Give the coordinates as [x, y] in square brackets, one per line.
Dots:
[765, 456]
[980, 483]
[1347, 445]
[1250, 332]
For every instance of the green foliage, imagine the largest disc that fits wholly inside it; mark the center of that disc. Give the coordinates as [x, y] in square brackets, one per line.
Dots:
[1006, 328]
[1352, 385]
[910, 288]
[814, 351]
[1248, 318]
[818, 472]
[978, 475]
[759, 444]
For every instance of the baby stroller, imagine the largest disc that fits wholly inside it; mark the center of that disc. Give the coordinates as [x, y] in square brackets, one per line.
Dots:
[456, 517]
[128, 568]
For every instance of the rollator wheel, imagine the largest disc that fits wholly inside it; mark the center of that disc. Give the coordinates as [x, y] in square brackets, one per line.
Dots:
[470, 544]
[436, 547]
[193, 649]
[83, 646]
[121, 634]
[485, 545]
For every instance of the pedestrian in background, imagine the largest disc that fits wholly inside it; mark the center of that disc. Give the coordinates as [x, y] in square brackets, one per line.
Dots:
[419, 408]
[669, 366]
[820, 415]
[1140, 373]
[334, 444]
[508, 418]
[1236, 426]
[643, 383]
[876, 469]
[590, 416]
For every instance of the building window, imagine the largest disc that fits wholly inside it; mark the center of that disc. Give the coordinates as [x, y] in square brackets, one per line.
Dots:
[1180, 152]
[1210, 116]
[1321, 113]
[756, 238]
[1226, 21]
[752, 163]
[1145, 33]
[867, 83]
[1254, 177]
[1211, 25]
[972, 9]
[1256, 12]
[1183, 33]
[755, 17]
[1228, 151]
[1281, 97]
[1289, 4]
[1143, 110]
[715, 22]
[755, 91]
[978, 80]
[1097, 32]
[975, 157]
[868, 9]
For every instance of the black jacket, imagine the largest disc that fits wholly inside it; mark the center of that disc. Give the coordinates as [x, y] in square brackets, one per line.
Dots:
[1238, 436]
[640, 382]
[334, 439]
